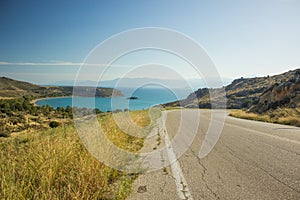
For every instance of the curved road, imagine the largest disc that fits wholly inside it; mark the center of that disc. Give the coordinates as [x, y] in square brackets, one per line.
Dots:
[251, 160]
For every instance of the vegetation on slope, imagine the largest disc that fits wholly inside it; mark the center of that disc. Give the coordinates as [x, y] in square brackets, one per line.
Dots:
[53, 164]
[278, 104]
[270, 99]
[20, 114]
[241, 93]
[10, 88]
[287, 116]
[285, 94]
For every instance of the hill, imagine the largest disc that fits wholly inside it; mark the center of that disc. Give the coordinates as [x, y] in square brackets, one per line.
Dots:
[285, 94]
[250, 92]
[133, 82]
[10, 88]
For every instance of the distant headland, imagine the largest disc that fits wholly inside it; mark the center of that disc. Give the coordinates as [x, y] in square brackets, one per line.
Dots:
[10, 88]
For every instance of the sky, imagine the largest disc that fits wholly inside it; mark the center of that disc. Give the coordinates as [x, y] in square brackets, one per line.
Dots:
[46, 41]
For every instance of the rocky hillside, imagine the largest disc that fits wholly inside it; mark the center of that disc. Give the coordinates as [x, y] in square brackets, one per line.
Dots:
[248, 92]
[10, 88]
[285, 94]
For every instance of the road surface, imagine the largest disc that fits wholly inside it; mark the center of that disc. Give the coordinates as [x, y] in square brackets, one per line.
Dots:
[251, 160]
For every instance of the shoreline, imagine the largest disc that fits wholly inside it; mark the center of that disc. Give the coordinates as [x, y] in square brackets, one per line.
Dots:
[35, 100]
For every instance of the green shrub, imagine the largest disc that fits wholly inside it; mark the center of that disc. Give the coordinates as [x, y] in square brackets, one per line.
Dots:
[54, 124]
[3, 134]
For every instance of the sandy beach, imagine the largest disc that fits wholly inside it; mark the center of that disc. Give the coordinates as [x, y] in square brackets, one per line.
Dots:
[35, 100]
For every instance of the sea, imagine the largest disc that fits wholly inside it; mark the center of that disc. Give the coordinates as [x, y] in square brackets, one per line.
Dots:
[146, 98]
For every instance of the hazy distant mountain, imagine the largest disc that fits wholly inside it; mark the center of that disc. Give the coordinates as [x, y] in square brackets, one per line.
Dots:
[151, 82]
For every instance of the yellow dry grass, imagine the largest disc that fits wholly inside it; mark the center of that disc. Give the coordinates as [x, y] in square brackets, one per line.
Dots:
[287, 116]
[54, 164]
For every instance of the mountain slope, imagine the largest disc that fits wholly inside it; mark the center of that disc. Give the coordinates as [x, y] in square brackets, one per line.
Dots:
[280, 103]
[285, 94]
[10, 88]
[241, 93]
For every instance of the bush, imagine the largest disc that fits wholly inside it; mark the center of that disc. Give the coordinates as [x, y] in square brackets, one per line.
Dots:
[54, 124]
[3, 134]
[97, 111]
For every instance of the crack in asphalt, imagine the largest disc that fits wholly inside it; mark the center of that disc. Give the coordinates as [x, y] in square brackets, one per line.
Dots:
[203, 175]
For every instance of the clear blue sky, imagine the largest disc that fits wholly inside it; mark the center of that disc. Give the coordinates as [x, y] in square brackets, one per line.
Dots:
[244, 38]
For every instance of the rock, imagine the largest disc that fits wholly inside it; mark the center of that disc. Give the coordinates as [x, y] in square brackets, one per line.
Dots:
[142, 189]
[133, 98]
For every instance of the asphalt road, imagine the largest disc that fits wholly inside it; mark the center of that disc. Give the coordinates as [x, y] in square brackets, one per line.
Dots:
[251, 160]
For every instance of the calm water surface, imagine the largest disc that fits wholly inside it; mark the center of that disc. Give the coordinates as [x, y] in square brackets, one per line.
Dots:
[147, 97]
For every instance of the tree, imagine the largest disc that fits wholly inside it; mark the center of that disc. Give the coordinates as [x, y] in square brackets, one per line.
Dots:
[97, 111]
[69, 109]
[54, 124]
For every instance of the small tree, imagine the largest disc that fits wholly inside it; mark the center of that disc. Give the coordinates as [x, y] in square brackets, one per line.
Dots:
[97, 111]
[54, 124]
[2, 134]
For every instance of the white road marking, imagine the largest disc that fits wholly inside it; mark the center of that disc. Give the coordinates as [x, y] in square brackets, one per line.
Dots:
[181, 184]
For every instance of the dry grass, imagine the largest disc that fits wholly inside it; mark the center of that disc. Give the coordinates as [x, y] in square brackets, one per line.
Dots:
[172, 108]
[285, 116]
[55, 165]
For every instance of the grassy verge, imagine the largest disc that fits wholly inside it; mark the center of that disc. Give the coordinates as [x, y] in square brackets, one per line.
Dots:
[172, 108]
[54, 164]
[285, 116]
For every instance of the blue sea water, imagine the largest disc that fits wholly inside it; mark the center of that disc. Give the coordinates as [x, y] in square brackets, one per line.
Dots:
[147, 97]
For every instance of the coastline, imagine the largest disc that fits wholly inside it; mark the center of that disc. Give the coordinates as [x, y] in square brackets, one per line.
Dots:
[35, 100]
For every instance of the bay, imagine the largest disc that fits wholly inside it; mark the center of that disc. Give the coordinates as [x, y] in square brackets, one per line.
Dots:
[147, 97]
